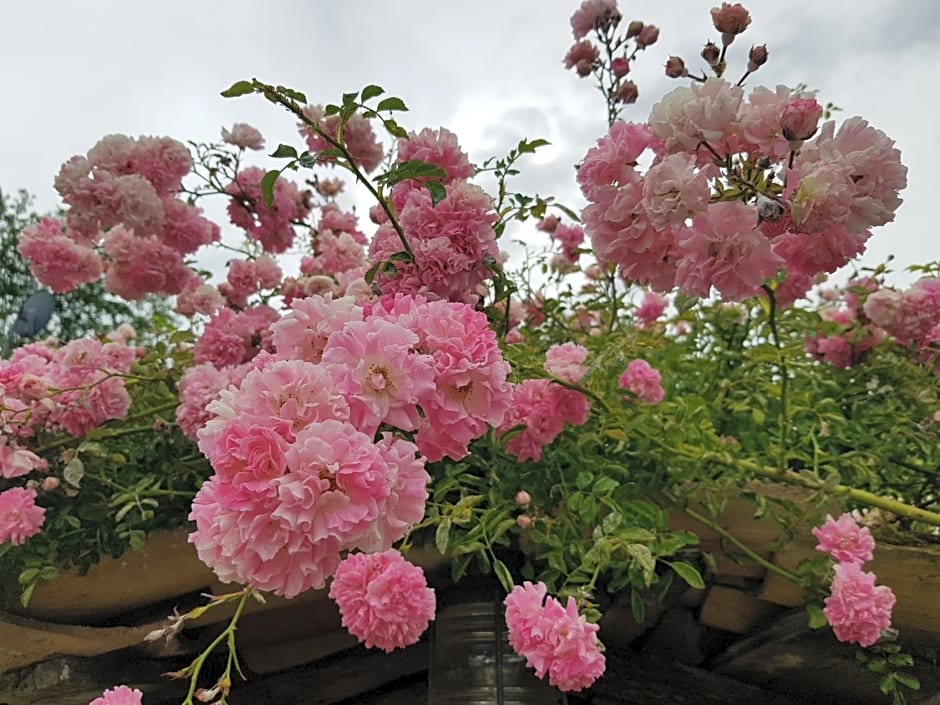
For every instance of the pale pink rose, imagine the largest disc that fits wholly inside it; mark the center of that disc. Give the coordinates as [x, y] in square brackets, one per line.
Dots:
[845, 540]
[673, 191]
[705, 112]
[243, 135]
[383, 599]
[650, 309]
[119, 695]
[55, 258]
[566, 361]
[302, 333]
[857, 610]
[799, 118]
[437, 147]
[730, 19]
[542, 408]
[358, 137]
[582, 56]
[594, 14]
[760, 119]
[15, 462]
[20, 518]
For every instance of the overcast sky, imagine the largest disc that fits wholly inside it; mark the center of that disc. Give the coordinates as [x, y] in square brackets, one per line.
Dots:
[490, 70]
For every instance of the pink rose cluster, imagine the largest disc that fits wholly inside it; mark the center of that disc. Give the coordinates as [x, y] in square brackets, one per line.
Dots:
[75, 387]
[857, 610]
[856, 336]
[124, 220]
[542, 407]
[912, 317]
[20, 516]
[554, 640]
[271, 225]
[307, 464]
[338, 262]
[383, 599]
[661, 228]
[452, 241]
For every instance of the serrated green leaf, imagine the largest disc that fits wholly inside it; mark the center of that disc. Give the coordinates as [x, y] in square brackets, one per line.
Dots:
[267, 186]
[238, 88]
[442, 536]
[330, 109]
[371, 91]
[394, 129]
[817, 619]
[688, 573]
[284, 151]
[502, 572]
[74, 472]
[391, 103]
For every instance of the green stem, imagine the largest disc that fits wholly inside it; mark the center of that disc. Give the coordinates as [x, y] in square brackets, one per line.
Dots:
[784, 420]
[760, 560]
[101, 434]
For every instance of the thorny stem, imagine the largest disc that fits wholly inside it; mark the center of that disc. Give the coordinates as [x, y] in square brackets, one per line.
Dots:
[271, 93]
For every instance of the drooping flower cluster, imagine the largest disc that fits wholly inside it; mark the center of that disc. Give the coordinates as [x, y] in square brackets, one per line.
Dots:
[451, 241]
[554, 640]
[543, 407]
[302, 472]
[857, 610]
[383, 599]
[664, 227]
[124, 220]
[272, 225]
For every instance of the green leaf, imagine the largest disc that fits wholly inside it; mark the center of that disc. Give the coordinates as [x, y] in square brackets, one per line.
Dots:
[267, 186]
[502, 572]
[371, 91]
[584, 480]
[307, 160]
[74, 472]
[437, 191]
[391, 103]
[906, 679]
[637, 606]
[238, 88]
[27, 594]
[49, 572]
[284, 151]
[330, 109]
[526, 147]
[394, 129]
[369, 276]
[30, 575]
[817, 619]
[291, 93]
[688, 573]
[4, 547]
[442, 536]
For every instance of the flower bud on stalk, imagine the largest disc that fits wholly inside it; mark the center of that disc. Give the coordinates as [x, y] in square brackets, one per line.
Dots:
[647, 36]
[620, 67]
[757, 58]
[675, 67]
[628, 93]
[634, 28]
[730, 20]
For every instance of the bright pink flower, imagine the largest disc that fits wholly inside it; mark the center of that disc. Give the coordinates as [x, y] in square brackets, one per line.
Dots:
[384, 600]
[724, 249]
[543, 408]
[650, 309]
[15, 462]
[20, 518]
[243, 135]
[644, 381]
[857, 610]
[437, 147]
[570, 237]
[566, 361]
[611, 162]
[594, 14]
[553, 639]
[199, 385]
[119, 695]
[55, 258]
[845, 540]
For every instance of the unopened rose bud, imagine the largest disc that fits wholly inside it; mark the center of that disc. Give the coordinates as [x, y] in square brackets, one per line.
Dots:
[800, 119]
[32, 484]
[524, 521]
[730, 20]
[675, 67]
[711, 53]
[628, 93]
[757, 58]
[620, 67]
[523, 498]
[49, 484]
[634, 28]
[647, 36]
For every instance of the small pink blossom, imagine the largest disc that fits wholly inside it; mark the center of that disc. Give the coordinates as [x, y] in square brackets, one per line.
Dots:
[644, 381]
[581, 57]
[857, 610]
[20, 518]
[845, 540]
[800, 118]
[119, 695]
[594, 14]
[553, 639]
[566, 361]
[243, 135]
[384, 600]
